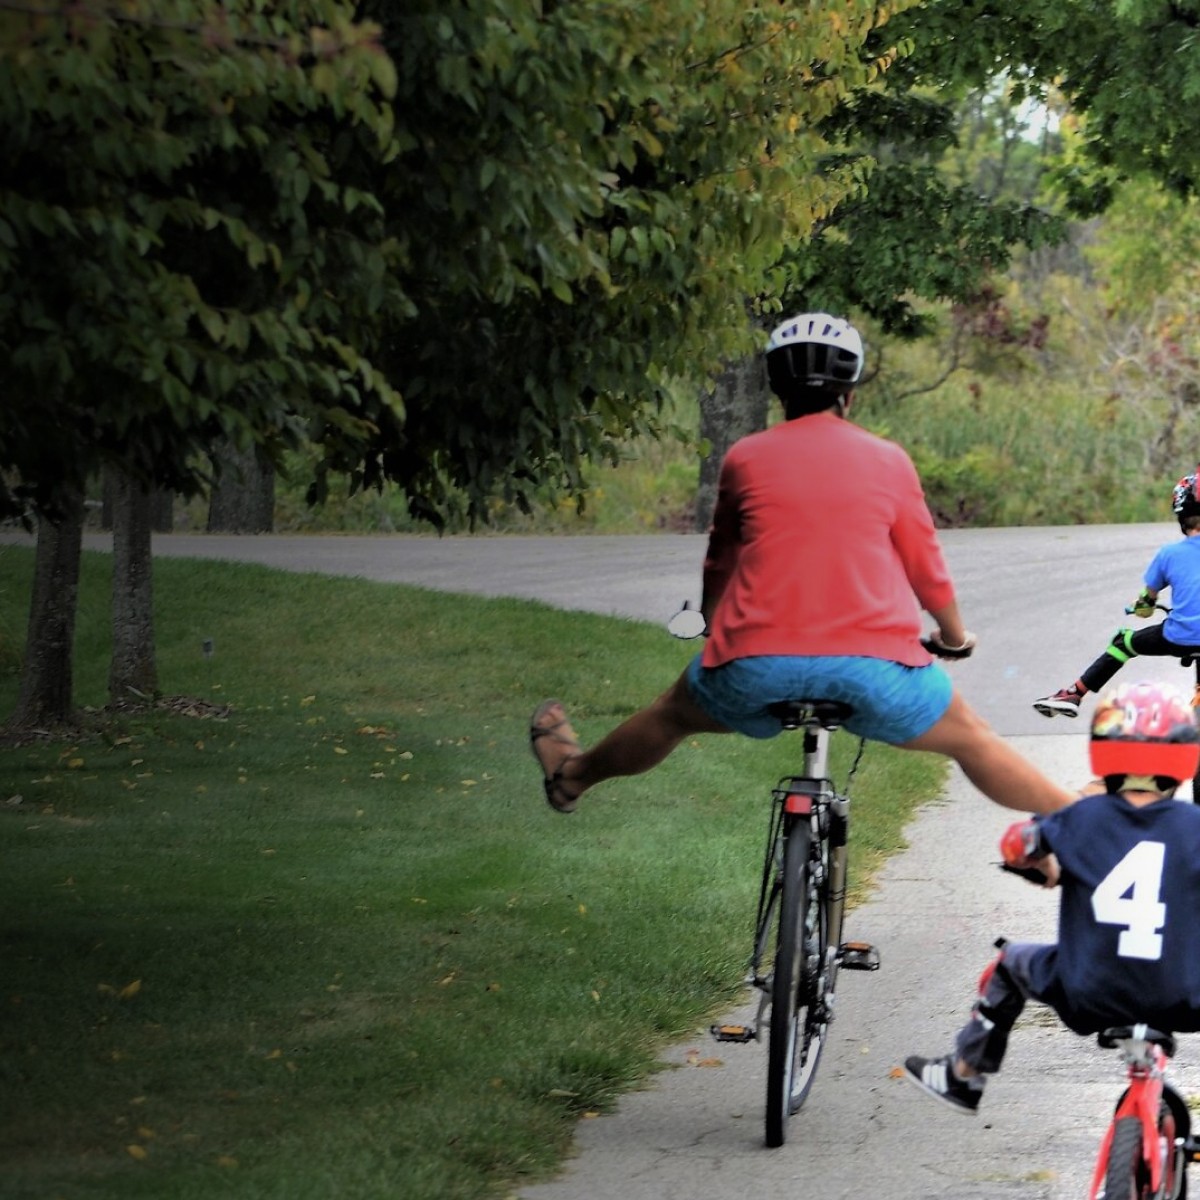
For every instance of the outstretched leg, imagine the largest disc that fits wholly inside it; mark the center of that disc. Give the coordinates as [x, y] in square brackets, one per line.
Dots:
[989, 762]
[636, 745]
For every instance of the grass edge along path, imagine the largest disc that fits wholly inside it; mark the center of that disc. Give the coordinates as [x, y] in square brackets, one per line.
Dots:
[336, 943]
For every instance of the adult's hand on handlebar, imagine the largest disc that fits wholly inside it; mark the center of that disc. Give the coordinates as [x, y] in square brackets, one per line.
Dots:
[934, 644]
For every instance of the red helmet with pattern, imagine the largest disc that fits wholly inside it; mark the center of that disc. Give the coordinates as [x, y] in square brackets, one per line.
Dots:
[1145, 729]
[1185, 497]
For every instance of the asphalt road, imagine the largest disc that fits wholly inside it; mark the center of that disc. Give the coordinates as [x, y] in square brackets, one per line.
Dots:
[1043, 602]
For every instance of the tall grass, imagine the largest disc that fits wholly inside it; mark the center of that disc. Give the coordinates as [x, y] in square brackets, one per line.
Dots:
[334, 943]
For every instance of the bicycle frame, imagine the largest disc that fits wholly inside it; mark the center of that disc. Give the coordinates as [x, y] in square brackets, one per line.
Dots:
[1165, 1149]
[809, 797]
[797, 941]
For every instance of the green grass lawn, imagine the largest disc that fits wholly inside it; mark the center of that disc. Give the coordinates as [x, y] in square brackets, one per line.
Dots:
[335, 943]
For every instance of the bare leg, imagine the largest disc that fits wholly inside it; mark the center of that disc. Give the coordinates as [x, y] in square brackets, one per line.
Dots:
[642, 741]
[989, 762]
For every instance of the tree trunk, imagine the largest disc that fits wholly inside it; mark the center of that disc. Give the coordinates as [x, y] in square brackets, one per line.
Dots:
[45, 698]
[737, 405]
[132, 673]
[243, 496]
[162, 506]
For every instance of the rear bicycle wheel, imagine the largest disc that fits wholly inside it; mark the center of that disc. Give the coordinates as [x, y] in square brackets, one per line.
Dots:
[1124, 1177]
[798, 1019]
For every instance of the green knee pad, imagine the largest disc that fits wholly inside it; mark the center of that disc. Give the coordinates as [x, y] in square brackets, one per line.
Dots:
[1121, 646]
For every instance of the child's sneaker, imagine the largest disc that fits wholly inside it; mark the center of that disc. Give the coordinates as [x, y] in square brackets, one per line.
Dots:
[936, 1077]
[1061, 704]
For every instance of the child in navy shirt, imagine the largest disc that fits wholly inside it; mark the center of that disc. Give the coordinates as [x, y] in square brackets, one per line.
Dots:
[1128, 863]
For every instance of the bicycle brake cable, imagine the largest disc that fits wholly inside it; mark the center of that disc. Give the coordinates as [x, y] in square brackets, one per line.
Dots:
[862, 745]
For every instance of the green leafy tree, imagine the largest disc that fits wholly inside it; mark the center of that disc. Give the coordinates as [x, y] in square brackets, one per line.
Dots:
[180, 261]
[583, 197]
[1128, 70]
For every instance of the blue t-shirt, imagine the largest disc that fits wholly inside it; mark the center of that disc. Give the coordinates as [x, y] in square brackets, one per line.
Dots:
[1129, 919]
[1177, 566]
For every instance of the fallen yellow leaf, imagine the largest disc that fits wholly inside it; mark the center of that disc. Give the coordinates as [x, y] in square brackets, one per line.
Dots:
[130, 990]
[138, 1152]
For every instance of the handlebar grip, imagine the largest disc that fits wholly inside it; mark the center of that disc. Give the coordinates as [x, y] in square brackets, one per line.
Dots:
[938, 650]
[1030, 873]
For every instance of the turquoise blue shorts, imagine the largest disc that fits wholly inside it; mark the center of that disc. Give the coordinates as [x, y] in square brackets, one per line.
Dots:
[892, 703]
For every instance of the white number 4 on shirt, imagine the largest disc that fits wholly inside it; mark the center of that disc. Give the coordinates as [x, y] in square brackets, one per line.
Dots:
[1128, 896]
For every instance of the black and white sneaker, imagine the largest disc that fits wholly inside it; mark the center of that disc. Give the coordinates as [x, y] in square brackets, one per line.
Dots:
[936, 1077]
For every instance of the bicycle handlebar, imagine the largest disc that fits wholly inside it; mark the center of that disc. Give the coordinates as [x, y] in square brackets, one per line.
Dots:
[1031, 873]
[689, 623]
[940, 650]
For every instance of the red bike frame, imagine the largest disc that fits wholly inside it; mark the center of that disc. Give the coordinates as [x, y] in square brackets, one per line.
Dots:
[1146, 1063]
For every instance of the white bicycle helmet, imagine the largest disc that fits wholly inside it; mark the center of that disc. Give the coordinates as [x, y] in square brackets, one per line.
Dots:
[814, 351]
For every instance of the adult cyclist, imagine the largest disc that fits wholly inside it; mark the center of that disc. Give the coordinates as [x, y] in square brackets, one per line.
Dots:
[821, 554]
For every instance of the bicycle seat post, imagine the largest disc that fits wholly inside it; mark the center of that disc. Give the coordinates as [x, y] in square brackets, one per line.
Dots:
[816, 752]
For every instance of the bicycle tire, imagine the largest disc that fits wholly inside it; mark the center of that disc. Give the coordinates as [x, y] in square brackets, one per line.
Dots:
[1174, 1125]
[796, 1033]
[1124, 1172]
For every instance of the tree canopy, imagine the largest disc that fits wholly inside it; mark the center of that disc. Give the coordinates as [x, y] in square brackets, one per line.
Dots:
[180, 257]
[584, 198]
[1129, 69]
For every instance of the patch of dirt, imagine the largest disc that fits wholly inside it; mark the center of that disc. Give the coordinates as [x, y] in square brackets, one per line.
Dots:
[89, 724]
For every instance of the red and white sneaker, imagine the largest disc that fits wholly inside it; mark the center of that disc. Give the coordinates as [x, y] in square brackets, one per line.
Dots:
[1061, 704]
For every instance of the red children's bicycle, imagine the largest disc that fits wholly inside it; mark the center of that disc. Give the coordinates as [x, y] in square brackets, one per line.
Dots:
[1148, 1143]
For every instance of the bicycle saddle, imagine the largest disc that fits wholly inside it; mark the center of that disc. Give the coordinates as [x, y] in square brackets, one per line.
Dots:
[1119, 1033]
[793, 714]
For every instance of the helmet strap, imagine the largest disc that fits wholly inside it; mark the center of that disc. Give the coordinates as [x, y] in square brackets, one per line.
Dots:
[1162, 784]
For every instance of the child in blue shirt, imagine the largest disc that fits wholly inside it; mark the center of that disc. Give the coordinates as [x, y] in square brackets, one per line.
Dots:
[1175, 566]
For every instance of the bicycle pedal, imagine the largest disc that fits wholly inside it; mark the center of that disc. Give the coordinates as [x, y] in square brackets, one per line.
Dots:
[858, 956]
[732, 1033]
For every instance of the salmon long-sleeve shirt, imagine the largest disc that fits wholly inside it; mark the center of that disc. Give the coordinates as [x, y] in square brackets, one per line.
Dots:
[821, 544]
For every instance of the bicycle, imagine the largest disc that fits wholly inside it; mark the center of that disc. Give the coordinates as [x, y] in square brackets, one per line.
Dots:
[1148, 1144]
[797, 941]
[798, 949]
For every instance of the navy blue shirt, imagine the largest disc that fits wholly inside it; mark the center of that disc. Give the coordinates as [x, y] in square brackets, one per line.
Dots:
[1129, 918]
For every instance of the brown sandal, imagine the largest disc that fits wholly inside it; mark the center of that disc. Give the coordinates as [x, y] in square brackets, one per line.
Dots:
[545, 735]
